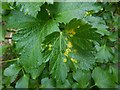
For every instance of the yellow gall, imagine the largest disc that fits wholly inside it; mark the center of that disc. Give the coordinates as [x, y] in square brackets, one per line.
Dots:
[71, 32]
[66, 39]
[78, 26]
[73, 60]
[71, 35]
[50, 45]
[66, 54]
[75, 50]
[90, 14]
[49, 48]
[68, 50]
[64, 60]
[101, 9]
[69, 44]
[86, 13]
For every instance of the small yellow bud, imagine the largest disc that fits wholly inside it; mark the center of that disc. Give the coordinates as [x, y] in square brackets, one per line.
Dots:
[64, 60]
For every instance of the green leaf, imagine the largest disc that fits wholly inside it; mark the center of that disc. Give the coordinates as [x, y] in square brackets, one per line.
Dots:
[64, 12]
[58, 50]
[20, 20]
[2, 36]
[28, 39]
[104, 54]
[12, 71]
[59, 69]
[102, 78]
[99, 23]
[82, 77]
[75, 85]
[36, 71]
[82, 39]
[53, 52]
[113, 37]
[31, 8]
[47, 83]
[48, 1]
[23, 82]
[114, 71]
[83, 36]
[5, 5]
[66, 84]
[1, 52]
[29, 48]
[85, 59]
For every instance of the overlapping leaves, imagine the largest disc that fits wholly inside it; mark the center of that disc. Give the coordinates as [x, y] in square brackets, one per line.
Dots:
[62, 51]
[40, 40]
[28, 40]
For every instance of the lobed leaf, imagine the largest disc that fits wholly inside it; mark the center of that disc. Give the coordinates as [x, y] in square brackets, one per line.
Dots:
[102, 78]
[23, 82]
[12, 71]
[82, 77]
[31, 8]
[66, 11]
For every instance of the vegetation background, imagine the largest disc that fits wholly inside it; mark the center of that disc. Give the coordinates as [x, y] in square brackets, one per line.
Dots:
[65, 44]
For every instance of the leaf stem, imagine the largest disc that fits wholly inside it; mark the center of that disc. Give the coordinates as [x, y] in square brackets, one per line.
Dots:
[92, 86]
[60, 41]
[10, 60]
[23, 71]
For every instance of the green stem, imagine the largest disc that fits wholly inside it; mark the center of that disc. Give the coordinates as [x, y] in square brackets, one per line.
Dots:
[102, 12]
[60, 41]
[23, 71]
[92, 86]
[10, 60]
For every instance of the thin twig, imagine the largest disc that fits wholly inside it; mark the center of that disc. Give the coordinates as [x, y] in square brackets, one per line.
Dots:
[10, 60]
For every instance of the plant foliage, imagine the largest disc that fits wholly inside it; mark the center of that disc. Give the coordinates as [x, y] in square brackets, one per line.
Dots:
[62, 45]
